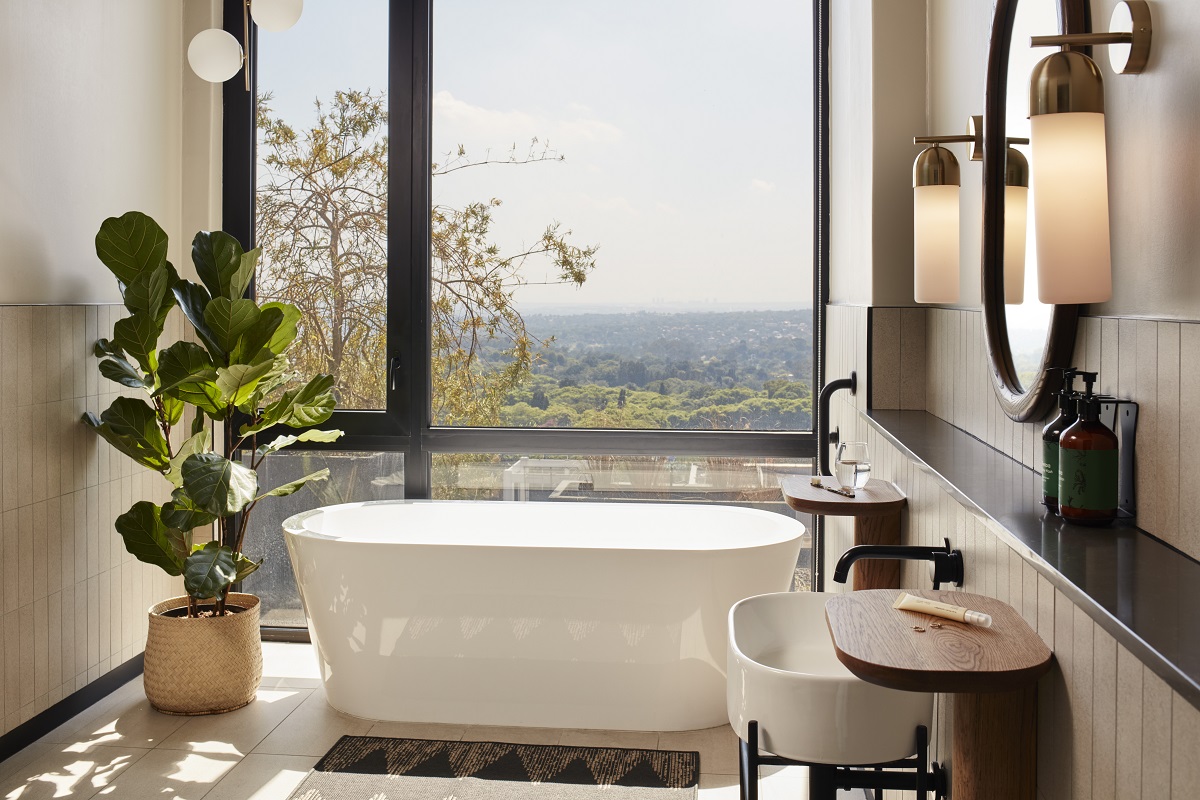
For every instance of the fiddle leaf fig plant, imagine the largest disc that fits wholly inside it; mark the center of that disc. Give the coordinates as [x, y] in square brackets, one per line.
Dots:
[239, 366]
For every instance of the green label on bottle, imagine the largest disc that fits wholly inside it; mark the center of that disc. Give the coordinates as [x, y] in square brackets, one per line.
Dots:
[1050, 469]
[1087, 479]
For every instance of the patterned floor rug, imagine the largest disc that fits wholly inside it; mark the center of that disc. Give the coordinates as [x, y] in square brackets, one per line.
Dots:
[378, 768]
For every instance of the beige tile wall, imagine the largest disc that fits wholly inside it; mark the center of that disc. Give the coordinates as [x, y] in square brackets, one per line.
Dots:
[1108, 726]
[74, 601]
[1137, 359]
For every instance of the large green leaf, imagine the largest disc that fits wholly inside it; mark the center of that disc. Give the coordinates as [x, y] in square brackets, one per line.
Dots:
[309, 405]
[245, 566]
[184, 362]
[294, 486]
[193, 299]
[238, 381]
[285, 334]
[182, 513]
[172, 409]
[252, 345]
[104, 347]
[208, 570]
[131, 426]
[149, 540]
[124, 373]
[218, 485]
[197, 443]
[267, 384]
[289, 439]
[229, 319]
[130, 245]
[185, 371]
[150, 293]
[225, 270]
[138, 336]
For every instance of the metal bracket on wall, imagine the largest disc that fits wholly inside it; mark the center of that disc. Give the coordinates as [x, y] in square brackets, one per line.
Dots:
[1121, 418]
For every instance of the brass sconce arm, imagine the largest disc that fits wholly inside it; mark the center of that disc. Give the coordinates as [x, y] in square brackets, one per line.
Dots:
[974, 136]
[1129, 35]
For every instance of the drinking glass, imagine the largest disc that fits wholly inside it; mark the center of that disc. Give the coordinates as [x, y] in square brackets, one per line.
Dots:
[853, 465]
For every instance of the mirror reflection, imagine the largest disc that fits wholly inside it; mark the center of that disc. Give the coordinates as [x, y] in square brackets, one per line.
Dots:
[1027, 319]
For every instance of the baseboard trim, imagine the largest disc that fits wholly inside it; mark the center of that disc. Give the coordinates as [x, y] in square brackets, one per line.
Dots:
[39, 725]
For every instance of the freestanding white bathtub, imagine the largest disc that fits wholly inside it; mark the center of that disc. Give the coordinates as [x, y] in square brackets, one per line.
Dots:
[564, 615]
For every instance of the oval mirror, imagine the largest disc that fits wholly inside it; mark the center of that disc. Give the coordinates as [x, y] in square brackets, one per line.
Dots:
[1024, 337]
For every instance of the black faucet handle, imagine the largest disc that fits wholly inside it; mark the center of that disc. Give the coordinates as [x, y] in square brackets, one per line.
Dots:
[946, 566]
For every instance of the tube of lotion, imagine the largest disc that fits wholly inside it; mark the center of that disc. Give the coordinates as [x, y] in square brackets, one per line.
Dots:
[908, 602]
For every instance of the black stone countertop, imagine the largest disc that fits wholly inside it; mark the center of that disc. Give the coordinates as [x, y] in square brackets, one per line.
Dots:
[1142, 591]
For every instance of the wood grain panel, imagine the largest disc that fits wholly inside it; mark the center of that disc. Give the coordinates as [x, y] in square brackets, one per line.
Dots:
[995, 745]
[875, 499]
[878, 644]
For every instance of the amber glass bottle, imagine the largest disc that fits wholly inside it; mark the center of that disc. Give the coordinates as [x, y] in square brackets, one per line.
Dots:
[1087, 465]
[1053, 432]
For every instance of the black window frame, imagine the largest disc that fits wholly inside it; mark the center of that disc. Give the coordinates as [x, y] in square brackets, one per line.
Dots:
[406, 424]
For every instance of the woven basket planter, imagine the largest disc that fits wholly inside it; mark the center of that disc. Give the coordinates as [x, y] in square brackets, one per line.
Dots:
[208, 665]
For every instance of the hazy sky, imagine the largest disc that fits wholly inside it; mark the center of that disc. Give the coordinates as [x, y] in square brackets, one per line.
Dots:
[685, 126]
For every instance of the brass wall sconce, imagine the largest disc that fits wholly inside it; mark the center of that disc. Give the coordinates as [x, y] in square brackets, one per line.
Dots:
[1070, 175]
[216, 56]
[936, 185]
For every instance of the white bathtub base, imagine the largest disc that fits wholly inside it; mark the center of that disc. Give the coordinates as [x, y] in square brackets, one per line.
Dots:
[624, 638]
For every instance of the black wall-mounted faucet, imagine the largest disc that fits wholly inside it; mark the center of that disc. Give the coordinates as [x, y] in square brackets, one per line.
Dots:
[945, 565]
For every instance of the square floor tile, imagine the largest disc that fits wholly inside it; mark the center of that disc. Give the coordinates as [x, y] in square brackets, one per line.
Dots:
[67, 771]
[312, 729]
[418, 730]
[171, 775]
[238, 732]
[262, 776]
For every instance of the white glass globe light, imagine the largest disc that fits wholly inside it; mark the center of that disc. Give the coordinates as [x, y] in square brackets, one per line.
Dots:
[215, 55]
[276, 15]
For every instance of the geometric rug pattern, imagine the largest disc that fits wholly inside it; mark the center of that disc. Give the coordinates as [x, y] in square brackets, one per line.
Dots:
[381, 768]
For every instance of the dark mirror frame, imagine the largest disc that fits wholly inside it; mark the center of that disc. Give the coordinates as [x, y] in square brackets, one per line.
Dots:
[1030, 402]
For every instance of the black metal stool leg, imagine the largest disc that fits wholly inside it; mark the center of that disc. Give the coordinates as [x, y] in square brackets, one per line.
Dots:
[822, 782]
[748, 762]
[922, 762]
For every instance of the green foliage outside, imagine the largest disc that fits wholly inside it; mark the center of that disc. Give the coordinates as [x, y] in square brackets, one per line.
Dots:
[322, 219]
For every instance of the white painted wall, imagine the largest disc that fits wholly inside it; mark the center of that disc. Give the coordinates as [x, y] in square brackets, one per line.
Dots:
[877, 86]
[93, 125]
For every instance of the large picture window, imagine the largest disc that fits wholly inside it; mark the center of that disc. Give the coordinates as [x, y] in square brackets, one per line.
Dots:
[549, 250]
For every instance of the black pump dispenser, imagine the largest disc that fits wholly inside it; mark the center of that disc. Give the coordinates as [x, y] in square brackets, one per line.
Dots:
[1052, 432]
[1088, 464]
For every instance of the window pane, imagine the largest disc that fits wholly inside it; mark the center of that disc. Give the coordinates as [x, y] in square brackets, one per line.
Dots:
[321, 205]
[736, 481]
[353, 477]
[622, 222]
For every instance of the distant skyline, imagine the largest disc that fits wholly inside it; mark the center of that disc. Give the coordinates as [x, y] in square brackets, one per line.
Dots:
[685, 126]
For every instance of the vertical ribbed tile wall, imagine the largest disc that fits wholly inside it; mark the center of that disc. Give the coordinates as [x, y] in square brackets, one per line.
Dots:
[1137, 359]
[1108, 726]
[74, 602]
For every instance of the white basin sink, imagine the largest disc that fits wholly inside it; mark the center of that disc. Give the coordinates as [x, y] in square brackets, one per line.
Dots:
[784, 673]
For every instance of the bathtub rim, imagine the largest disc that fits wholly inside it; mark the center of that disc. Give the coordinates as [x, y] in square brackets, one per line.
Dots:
[294, 526]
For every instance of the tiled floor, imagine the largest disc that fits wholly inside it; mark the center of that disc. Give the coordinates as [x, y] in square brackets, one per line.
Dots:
[121, 748]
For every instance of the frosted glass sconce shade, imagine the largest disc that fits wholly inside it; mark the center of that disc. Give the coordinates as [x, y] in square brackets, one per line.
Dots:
[215, 55]
[1016, 215]
[1016, 209]
[276, 15]
[935, 226]
[1070, 180]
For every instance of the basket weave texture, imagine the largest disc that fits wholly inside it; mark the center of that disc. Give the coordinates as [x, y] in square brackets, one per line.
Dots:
[203, 666]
